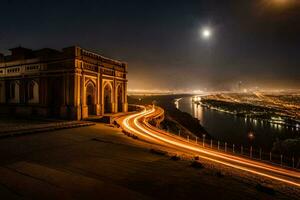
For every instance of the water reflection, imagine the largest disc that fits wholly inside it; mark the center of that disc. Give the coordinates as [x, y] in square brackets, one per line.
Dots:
[233, 129]
[198, 111]
[177, 103]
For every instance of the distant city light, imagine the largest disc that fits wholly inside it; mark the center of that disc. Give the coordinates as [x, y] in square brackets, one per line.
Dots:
[197, 92]
[281, 3]
[251, 135]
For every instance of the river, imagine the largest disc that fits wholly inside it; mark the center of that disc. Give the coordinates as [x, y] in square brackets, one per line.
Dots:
[232, 129]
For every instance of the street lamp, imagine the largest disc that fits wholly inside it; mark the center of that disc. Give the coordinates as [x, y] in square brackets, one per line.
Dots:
[203, 139]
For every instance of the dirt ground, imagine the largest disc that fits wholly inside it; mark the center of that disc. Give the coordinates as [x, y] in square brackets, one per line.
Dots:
[100, 162]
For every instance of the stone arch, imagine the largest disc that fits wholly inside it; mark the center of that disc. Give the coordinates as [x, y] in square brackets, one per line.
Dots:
[14, 92]
[91, 97]
[120, 98]
[33, 91]
[90, 81]
[108, 97]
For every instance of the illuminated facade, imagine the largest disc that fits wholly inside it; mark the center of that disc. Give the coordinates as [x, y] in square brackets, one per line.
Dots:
[73, 83]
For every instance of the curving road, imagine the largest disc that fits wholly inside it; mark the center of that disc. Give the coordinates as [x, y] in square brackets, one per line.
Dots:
[138, 124]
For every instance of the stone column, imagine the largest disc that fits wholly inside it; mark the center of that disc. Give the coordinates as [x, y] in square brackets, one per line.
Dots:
[75, 108]
[84, 108]
[102, 95]
[78, 95]
[2, 92]
[63, 106]
[116, 95]
[125, 104]
[98, 94]
[44, 90]
[114, 103]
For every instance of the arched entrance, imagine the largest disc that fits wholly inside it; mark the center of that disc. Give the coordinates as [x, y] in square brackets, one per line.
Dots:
[107, 98]
[90, 98]
[120, 98]
[32, 92]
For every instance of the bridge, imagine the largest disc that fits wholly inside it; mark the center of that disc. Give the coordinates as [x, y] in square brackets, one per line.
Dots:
[138, 125]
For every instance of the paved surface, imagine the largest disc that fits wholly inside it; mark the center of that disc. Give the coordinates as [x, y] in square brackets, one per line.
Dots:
[100, 162]
[13, 126]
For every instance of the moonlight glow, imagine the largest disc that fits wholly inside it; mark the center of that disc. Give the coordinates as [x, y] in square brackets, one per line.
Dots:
[206, 33]
[279, 3]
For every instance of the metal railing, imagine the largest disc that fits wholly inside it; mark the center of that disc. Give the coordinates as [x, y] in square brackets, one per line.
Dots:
[250, 152]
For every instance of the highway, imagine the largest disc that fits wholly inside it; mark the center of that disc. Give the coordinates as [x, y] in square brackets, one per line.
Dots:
[138, 124]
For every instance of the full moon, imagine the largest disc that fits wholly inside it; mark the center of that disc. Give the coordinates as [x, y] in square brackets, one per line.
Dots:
[206, 33]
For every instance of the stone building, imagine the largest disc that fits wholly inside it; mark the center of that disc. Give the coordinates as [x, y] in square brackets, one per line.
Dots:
[73, 83]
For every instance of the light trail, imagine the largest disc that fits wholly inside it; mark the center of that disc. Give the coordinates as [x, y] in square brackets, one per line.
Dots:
[128, 127]
[232, 158]
[146, 130]
[252, 171]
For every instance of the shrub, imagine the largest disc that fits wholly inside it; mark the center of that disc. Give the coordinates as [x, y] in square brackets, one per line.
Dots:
[197, 165]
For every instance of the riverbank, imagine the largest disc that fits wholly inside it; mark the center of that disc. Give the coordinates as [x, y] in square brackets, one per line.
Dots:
[270, 108]
[279, 111]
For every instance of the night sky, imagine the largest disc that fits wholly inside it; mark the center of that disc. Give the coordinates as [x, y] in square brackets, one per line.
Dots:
[254, 41]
